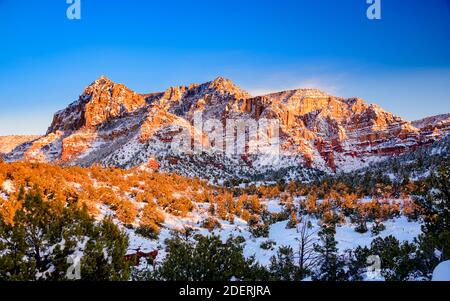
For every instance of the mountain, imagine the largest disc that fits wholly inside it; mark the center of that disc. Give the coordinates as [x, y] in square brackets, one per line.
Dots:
[9, 143]
[434, 125]
[114, 126]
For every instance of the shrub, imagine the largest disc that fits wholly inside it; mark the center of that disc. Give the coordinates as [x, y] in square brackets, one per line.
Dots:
[268, 245]
[377, 228]
[211, 224]
[126, 212]
[148, 231]
[260, 230]
[207, 259]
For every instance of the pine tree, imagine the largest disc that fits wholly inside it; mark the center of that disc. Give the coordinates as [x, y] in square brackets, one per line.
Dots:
[435, 205]
[331, 265]
[398, 260]
[126, 212]
[44, 236]
[207, 259]
[283, 267]
[103, 257]
[306, 255]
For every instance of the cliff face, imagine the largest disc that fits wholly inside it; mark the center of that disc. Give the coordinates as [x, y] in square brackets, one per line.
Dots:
[211, 98]
[333, 129]
[434, 127]
[115, 126]
[103, 100]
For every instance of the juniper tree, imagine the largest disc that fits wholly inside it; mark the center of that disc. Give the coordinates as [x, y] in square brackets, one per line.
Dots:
[435, 206]
[283, 266]
[45, 235]
[206, 258]
[331, 265]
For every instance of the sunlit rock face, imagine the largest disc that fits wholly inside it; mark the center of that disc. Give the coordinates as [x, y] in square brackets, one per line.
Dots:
[103, 100]
[114, 126]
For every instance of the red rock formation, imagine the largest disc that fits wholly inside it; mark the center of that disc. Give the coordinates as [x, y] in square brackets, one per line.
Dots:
[75, 145]
[153, 163]
[103, 100]
[109, 118]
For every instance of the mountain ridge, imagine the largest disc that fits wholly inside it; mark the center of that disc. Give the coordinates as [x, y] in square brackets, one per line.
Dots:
[113, 125]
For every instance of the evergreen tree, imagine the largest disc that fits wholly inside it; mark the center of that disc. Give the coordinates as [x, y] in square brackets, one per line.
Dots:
[357, 265]
[206, 259]
[103, 257]
[331, 265]
[398, 260]
[435, 204]
[283, 266]
[45, 235]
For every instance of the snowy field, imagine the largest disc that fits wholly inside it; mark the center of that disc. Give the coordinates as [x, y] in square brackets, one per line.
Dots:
[346, 236]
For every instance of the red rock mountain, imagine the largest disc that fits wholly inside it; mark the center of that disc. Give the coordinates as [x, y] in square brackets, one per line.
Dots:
[115, 126]
[9, 143]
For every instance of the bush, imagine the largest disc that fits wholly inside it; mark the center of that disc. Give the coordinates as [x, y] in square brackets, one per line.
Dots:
[126, 212]
[268, 245]
[361, 227]
[45, 236]
[206, 259]
[377, 228]
[260, 230]
[151, 219]
[177, 207]
[211, 224]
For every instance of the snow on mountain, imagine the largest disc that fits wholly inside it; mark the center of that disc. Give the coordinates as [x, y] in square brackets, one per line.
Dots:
[9, 143]
[114, 126]
[434, 125]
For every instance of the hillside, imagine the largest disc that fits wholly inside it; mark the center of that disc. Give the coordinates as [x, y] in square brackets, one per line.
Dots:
[9, 143]
[114, 126]
[153, 207]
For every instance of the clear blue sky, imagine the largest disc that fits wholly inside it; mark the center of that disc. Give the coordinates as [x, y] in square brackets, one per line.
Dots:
[401, 62]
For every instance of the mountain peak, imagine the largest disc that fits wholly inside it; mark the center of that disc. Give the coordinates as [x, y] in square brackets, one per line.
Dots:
[223, 84]
[101, 100]
[102, 80]
[317, 128]
[220, 80]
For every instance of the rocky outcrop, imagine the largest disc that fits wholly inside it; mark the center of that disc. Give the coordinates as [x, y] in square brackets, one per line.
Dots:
[76, 145]
[315, 124]
[434, 126]
[211, 98]
[103, 100]
[115, 126]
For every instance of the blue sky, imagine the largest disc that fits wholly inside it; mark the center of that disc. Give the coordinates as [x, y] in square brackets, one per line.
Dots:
[400, 62]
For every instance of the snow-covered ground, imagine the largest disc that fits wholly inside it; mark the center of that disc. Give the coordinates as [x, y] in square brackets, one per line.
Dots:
[346, 236]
